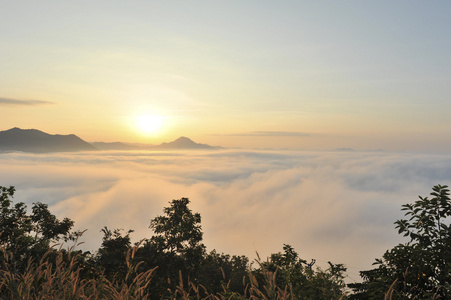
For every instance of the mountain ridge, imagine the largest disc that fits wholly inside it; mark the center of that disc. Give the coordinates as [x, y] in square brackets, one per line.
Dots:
[181, 143]
[33, 140]
[36, 141]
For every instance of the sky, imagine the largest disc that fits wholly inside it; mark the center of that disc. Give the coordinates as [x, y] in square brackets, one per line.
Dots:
[288, 88]
[259, 74]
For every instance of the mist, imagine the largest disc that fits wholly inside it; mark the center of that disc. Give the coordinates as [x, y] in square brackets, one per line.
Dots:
[331, 206]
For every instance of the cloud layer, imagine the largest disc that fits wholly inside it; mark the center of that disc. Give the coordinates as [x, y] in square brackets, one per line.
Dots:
[328, 205]
[271, 133]
[8, 101]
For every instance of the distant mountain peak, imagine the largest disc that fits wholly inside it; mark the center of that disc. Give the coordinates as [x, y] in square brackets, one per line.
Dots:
[183, 143]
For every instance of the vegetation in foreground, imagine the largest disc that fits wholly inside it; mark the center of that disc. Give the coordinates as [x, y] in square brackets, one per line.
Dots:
[174, 263]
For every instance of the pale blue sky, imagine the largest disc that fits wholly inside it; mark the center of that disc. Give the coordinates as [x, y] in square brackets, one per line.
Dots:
[363, 74]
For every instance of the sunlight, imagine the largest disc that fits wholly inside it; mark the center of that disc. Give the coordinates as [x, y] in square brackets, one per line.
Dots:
[149, 124]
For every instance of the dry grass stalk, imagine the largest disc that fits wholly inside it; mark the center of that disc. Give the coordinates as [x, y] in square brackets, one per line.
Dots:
[61, 279]
[57, 275]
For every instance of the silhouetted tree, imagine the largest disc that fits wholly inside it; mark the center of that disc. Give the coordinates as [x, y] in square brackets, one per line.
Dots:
[421, 268]
[176, 246]
[172, 257]
[29, 236]
[222, 272]
[301, 279]
[111, 256]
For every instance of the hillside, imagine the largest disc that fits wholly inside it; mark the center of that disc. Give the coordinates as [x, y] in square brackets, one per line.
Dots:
[182, 143]
[32, 140]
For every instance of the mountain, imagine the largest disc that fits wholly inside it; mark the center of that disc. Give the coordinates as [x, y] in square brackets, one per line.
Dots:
[32, 140]
[181, 143]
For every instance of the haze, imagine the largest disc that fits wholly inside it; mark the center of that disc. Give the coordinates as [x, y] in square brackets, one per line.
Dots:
[315, 75]
[335, 206]
[282, 85]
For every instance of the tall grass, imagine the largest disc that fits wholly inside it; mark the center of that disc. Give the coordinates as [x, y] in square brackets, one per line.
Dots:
[59, 275]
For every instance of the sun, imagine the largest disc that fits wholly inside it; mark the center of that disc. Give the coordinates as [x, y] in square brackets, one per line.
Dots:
[149, 124]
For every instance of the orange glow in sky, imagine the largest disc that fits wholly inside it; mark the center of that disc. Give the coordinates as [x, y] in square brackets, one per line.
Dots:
[366, 75]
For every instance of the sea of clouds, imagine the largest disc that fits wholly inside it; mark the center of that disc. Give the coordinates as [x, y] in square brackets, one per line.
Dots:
[331, 206]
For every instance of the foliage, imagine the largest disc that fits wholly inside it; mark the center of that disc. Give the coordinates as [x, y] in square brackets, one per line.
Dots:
[303, 281]
[176, 246]
[179, 231]
[63, 279]
[30, 235]
[172, 264]
[111, 257]
[220, 273]
[420, 268]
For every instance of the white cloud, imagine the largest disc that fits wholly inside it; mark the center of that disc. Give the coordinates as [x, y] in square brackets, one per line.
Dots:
[328, 205]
